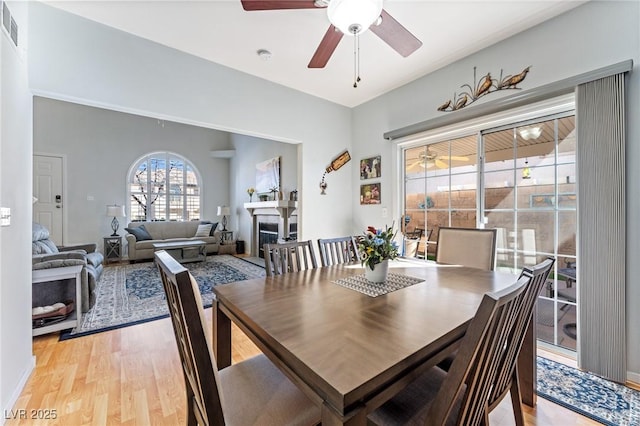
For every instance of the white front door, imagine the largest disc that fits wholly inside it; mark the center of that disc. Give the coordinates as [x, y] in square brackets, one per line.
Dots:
[47, 188]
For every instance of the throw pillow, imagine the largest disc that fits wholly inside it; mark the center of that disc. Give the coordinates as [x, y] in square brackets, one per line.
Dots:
[213, 227]
[203, 230]
[140, 233]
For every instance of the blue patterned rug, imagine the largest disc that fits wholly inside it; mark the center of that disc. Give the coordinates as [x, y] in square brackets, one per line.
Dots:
[131, 294]
[601, 400]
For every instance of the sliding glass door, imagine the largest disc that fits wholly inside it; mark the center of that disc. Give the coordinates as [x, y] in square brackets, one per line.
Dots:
[441, 182]
[519, 179]
[529, 193]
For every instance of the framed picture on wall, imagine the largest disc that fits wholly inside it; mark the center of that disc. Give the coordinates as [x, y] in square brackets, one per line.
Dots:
[268, 175]
[370, 168]
[370, 193]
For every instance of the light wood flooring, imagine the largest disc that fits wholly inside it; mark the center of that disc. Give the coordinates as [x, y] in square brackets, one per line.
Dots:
[132, 376]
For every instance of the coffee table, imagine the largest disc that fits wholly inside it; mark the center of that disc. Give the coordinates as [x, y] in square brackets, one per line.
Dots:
[184, 251]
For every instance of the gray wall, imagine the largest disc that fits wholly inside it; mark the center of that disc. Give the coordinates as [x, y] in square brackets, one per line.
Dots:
[16, 361]
[589, 37]
[101, 145]
[75, 59]
[249, 152]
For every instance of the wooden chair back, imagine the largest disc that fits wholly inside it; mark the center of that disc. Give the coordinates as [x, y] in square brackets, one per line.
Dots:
[199, 366]
[481, 353]
[287, 257]
[415, 234]
[507, 379]
[338, 250]
[421, 251]
[475, 248]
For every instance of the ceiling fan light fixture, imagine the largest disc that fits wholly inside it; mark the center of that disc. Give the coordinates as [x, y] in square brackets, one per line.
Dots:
[354, 16]
[530, 132]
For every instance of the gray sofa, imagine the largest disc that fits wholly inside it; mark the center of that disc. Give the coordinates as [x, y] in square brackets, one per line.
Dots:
[45, 255]
[165, 231]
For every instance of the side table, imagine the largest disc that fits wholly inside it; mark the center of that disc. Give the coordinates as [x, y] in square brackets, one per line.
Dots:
[226, 237]
[55, 285]
[113, 249]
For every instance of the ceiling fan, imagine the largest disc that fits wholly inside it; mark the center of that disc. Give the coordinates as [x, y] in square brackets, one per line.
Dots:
[430, 159]
[351, 17]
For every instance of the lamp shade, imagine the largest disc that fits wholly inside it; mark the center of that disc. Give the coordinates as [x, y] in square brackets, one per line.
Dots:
[116, 211]
[224, 211]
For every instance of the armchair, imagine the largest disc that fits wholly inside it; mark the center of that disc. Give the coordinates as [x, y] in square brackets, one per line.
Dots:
[45, 254]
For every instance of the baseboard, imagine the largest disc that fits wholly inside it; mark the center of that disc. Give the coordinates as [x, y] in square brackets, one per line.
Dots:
[633, 380]
[9, 411]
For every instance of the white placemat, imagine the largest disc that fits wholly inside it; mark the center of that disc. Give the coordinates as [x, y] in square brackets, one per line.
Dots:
[394, 282]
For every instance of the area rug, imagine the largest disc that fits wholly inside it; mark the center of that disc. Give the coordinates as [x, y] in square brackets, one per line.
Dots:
[131, 294]
[601, 400]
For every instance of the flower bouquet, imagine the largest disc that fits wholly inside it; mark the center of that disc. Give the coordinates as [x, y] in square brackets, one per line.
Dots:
[250, 191]
[376, 249]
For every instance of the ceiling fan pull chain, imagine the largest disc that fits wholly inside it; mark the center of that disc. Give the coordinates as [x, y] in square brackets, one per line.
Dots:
[358, 56]
[355, 59]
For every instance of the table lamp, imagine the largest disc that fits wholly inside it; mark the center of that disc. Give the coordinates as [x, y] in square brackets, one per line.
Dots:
[115, 211]
[224, 211]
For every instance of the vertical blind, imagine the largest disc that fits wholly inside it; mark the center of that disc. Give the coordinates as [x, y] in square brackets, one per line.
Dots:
[601, 224]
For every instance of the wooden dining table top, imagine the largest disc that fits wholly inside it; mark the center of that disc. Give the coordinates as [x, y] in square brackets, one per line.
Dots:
[347, 346]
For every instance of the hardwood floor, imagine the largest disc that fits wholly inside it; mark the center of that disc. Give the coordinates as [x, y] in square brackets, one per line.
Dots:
[132, 376]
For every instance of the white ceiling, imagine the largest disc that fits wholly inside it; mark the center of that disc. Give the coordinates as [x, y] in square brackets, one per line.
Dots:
[222, 32]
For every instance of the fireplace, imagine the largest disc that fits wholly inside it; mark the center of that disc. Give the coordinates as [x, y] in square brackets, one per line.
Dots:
[267, 234]
[272, 221]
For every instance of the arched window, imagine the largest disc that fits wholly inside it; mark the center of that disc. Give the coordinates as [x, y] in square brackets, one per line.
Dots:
[164, 186]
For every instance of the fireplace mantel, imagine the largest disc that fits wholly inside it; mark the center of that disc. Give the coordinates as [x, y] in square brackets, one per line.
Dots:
[282, 208]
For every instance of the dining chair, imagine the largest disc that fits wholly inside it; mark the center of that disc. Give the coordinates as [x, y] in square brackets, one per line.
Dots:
[338, 250]
[461, 396]
[290, 256]
[411, 242]
[421, 251]
[471, 247]
[247, 393]
[508, 380]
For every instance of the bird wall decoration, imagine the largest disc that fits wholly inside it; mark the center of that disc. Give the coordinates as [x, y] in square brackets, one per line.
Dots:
[486, 85]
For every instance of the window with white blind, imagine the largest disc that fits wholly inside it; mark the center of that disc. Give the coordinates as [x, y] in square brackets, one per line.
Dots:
[164, 186]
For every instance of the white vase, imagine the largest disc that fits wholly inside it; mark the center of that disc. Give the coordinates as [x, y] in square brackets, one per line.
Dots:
[379, 272]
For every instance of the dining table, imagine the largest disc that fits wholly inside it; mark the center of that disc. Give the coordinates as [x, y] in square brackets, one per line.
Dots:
[349, 348]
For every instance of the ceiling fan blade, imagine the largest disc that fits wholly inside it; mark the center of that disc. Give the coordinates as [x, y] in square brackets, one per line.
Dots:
[277, 4]
[326, 48]
[414, 164]
[457, 158]
[395, 35]
[441, 164]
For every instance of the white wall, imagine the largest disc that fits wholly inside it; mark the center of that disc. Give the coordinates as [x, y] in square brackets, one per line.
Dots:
[16, 361]
[589, 37]
[76, 59]
[100, 145]
[249, 152]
